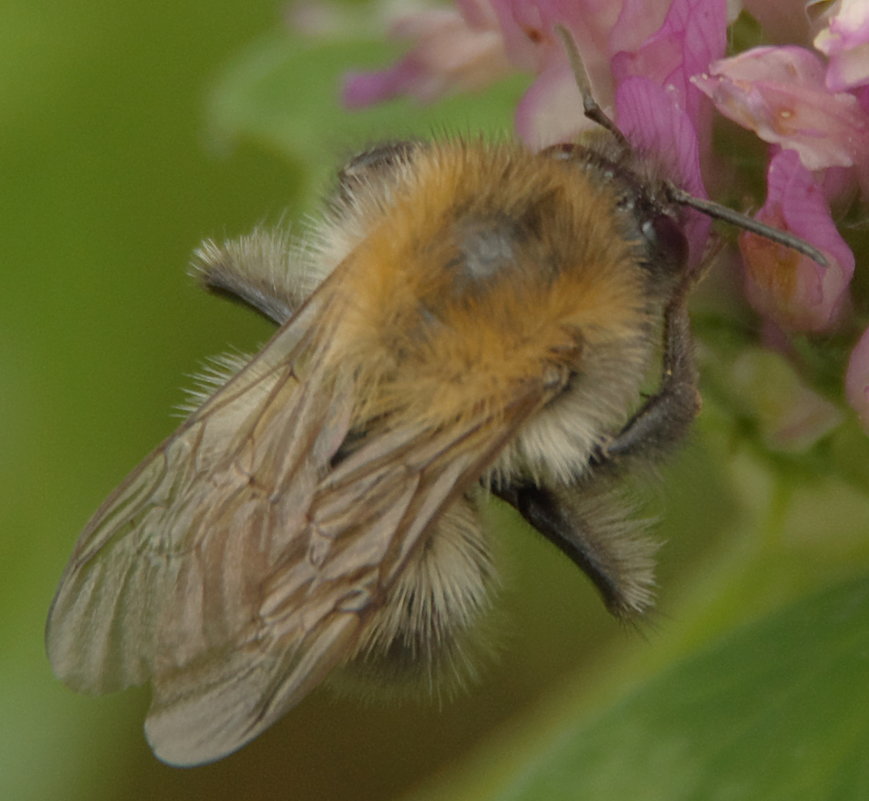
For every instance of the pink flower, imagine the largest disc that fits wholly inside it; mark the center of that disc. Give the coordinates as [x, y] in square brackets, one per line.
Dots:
[481, 40]
[781, 284]
[662, 40]
[691, 36]
[845, 41]
[453, 50]
[551, 110]
[780, 94]
[857, 380]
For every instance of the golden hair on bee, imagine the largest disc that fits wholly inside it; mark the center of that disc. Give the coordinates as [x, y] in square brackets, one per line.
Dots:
[468, 318]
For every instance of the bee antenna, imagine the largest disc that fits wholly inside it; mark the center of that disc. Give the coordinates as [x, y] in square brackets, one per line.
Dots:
[596, 114]
[590, 108]
[740, 220]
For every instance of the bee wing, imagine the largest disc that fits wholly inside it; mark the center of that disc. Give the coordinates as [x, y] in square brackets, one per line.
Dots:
[236, 567]
[110, 615]
[365, 520]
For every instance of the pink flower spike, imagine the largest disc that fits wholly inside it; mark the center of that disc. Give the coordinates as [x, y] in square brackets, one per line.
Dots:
[857, 380]
[779, 92]
[781, 284]
[458, 50]
[845, 41]
[448, 54]
[362, 89]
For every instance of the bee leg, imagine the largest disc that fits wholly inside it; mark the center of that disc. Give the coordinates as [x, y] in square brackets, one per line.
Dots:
[664, 418]
[588, 521]
[262, 270]
[589, 524]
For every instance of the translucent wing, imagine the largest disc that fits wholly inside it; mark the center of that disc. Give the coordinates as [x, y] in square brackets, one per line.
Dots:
[109, 621]
[236, 567]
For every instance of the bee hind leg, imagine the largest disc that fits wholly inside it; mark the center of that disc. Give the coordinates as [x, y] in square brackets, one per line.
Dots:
[591, 524]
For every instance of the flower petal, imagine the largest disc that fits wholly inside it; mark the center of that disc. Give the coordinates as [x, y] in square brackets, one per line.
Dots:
[528, 28]
[782, 284]
[530, 40]
[845, 41]
[693, 34]
[779, 92]
[448, 54]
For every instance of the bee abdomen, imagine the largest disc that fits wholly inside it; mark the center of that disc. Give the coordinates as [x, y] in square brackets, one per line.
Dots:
[424, 634]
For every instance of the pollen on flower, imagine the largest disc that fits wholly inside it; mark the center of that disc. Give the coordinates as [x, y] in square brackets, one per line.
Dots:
[534, 35]
[784, 121]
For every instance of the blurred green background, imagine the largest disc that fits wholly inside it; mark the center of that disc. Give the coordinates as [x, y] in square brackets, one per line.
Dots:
[130, 132]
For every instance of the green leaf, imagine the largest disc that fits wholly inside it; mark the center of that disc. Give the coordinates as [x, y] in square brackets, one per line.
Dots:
[778, 709]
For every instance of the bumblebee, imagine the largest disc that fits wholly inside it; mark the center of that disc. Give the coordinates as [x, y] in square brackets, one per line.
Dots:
[469, 318]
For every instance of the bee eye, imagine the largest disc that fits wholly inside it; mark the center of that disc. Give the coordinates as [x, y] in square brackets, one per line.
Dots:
[668, 246]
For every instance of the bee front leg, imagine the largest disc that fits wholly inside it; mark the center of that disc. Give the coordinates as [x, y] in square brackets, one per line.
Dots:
[664, 418]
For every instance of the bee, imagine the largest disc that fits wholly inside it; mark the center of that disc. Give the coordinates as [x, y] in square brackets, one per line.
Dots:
[470, 318]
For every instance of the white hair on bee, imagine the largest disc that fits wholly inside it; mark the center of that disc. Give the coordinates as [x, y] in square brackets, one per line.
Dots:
[365, 192]
[566, 433]
[267, 269]
[427, 636]
[216, 371]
